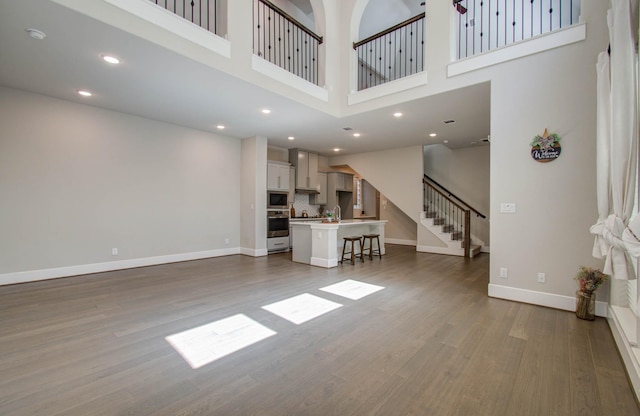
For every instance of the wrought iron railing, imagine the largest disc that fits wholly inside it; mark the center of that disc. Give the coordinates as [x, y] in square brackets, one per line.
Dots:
[484, 25]
[391, 54]
[201, 12]
[452, 213]
[283, 41]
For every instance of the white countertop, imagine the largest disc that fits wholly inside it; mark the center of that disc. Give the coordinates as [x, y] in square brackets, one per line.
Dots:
[341, 223]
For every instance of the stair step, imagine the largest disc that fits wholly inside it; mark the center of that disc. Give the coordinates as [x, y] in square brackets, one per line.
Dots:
[429, 214]
[458, 235]
[438, 221]
[447, 228]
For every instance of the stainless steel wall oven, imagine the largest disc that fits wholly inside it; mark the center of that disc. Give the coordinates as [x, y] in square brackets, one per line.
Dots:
[277, 231]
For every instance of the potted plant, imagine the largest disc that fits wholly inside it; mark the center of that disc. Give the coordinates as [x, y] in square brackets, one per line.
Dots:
[588, 281]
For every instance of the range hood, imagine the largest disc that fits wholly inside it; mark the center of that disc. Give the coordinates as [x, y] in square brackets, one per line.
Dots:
[307, 191]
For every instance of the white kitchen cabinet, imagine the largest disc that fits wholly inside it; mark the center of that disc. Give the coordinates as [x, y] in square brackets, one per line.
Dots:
[341, 181]
[306, 164]
[321, 198]
[277, 176]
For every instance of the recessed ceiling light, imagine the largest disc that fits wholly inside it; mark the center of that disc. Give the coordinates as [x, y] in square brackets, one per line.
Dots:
[432, 134]
[446, 141]
[265, 111]
[336, 150]
[356, 134]
[110, 59]
[36, 34]
[220, 127]
[398, 114]
[290, 137]
[85, 93]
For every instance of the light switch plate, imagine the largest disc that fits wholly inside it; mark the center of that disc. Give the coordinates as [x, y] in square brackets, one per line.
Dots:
[508, 207]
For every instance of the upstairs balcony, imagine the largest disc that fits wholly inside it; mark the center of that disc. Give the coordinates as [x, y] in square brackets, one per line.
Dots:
[476, 29]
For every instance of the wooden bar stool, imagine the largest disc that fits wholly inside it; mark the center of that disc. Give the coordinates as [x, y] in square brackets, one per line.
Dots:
[370, 238]
[353, 255]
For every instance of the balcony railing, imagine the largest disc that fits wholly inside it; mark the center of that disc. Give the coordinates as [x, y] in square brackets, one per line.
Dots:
[484, 25]
[283, 41]
[201, 12]
[391, 54]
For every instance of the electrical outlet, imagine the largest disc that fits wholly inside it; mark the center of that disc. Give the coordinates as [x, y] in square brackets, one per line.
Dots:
[542, 277]
[226, 241]
[114, 251]
[503, 272]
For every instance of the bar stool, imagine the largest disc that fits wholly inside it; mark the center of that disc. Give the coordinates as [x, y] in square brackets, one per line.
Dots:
[370, 237]
[353, 253]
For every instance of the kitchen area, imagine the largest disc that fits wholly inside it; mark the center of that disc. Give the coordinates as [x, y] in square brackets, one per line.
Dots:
[303, 189]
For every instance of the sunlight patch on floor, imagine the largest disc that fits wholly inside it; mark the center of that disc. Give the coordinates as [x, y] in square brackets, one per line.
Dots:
[301, 308]
[352, 289]
[207, 343]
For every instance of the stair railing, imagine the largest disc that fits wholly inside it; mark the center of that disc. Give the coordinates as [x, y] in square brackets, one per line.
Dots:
[392, 54]
[201, 12]
[452, 195]
[485, 25]
[453, 217]
[285, 42]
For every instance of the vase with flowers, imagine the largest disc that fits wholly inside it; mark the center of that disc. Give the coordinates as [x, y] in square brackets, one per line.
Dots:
[588, 281]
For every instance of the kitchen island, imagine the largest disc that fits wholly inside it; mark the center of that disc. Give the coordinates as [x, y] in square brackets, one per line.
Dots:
[320, 244]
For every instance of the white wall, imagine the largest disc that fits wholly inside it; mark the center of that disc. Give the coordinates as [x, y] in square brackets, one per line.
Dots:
[465, 172]
[253, 196]
[399, 229]
[396, 173]
[77, 181]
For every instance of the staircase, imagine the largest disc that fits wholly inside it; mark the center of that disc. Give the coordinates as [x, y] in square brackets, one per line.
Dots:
[449, 220]
[449, 234]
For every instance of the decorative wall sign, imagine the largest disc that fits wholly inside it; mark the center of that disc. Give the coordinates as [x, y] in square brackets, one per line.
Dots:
[545, 148]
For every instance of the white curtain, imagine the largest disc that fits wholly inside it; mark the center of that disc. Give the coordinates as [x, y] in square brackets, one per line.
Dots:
[617, 145]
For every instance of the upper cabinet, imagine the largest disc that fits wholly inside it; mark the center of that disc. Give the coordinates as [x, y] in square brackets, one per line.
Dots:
[306, 164]
[277, 176]
[321, 197]
[340, 182]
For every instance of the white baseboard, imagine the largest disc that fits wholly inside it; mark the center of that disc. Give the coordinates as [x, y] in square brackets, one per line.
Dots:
[550, 300]
[54, 273]
[485, 249]
[326, 263]
[254, 253]
[441, 250]
[400, 242]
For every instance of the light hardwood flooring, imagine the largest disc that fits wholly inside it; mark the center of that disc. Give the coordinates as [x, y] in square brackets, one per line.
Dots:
[430, 343]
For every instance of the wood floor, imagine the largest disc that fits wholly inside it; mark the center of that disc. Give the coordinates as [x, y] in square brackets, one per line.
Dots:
[430, 343]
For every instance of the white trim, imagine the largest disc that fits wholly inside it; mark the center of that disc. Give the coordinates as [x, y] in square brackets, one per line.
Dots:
[265, 67]
[326, 263]
[550, 300]
[485, 249]
[551, 40]
[175, 24]
[400, 241]
[628, 353]
[44, 274]
[253, 252]
[388, 88]
[441, 250]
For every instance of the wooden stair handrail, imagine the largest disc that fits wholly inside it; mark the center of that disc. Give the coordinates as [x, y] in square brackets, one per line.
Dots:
[426, 179]
[389, 30]
[293, 20]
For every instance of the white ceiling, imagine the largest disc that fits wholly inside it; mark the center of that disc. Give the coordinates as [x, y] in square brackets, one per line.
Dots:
[156, 83]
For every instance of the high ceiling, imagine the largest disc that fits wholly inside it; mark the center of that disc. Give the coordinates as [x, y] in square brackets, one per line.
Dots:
[156, 83]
